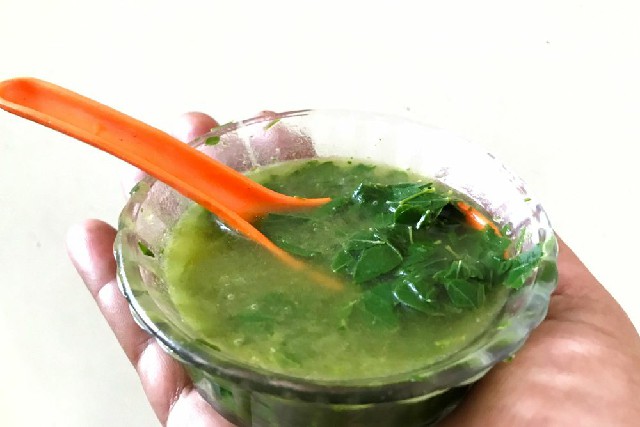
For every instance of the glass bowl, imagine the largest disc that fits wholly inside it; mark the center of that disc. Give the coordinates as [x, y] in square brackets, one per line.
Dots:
[252, 397]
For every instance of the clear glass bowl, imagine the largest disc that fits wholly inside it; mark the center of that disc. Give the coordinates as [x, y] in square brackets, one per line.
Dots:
[253, 397]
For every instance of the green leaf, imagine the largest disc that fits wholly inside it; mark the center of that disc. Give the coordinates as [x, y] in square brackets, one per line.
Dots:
[522, 266]
[135, 188]
[297, 250]
[200, 341]
[376, 261]
[272, 309]
[401, 236]
[421, 209]
[285, 219]
[494, 242]
[421, 295]
[406, 190]
[271, 124]
[367, 255]
[376, 307]
[464, 293]
[362, 169]
[343, 261]
[212, 140]
[364, 240]
[145, 249]
[336, 205]
[288, 357]
[459, 269]
[372, 194]
[415, 249]
[251, 323]
[275, 227]
[423, 261]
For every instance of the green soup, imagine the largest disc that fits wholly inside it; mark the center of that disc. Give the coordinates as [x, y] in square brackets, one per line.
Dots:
[418, 282]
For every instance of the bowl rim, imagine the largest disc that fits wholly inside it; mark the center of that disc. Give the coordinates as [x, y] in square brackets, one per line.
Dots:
[469, 365]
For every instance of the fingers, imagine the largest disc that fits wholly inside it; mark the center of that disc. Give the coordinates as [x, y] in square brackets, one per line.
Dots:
[83, 242]
[189, 126]
[164, 381]
[192, 410]
[186, 128]
[279, 143]
[90, 247]
[585, 329]
[272, 143]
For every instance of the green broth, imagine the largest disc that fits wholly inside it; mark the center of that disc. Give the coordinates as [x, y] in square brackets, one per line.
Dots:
[239, 298]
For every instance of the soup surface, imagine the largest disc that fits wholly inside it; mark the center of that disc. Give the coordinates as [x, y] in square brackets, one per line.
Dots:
[418, 282]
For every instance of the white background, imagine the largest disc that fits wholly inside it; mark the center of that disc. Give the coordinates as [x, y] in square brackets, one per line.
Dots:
[551, 88]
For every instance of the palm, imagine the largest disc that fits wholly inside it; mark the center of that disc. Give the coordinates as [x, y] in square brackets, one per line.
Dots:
[580, 366]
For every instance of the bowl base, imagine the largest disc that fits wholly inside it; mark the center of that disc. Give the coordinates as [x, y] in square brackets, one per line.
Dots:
[247, 408]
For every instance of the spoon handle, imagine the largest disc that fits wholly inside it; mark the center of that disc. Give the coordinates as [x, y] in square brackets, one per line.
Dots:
[229, 194]
[180, 166]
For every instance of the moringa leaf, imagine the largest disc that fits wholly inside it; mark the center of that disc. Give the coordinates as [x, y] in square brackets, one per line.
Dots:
[376, 307]
[376, 261]
[418, 295]
[145, 249]
[271, 124]
[421, 209]
[522, 266]
[297, 250]
[465, 293]
[415, 253]
[212, 140]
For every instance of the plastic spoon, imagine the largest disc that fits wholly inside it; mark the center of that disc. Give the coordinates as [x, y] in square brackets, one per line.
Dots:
[233, 197]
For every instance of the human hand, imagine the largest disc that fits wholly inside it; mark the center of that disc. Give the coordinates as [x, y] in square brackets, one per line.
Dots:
[581, 366]
[166, 384]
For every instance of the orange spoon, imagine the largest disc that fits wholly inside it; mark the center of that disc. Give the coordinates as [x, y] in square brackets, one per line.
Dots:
[475, 218]
[229, 194]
